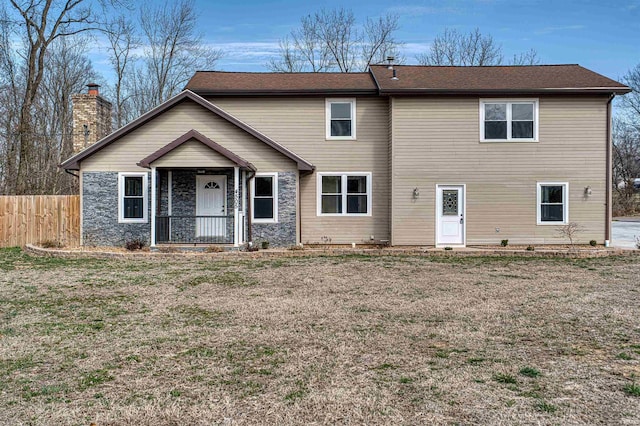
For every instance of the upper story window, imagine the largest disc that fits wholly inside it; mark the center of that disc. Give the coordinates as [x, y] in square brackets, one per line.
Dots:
[132, 197]
[344, 194]
[264, 189]
[509, 120]
[341, 118]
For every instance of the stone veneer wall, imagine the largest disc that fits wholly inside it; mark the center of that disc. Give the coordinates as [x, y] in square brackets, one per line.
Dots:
[183, 203]
[282, 233]
[100, 225]
[100, 210]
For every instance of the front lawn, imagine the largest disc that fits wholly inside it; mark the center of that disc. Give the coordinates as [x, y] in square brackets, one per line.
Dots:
[351, 339]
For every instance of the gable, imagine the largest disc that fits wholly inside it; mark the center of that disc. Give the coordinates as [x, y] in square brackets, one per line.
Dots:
[192, 154]
[128, 150]
[170, 117]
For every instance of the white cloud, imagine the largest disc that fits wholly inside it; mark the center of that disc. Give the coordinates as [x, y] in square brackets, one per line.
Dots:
[423, 10]
[549, 30]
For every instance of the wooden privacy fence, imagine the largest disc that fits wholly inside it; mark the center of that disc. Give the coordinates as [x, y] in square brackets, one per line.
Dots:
[29, 219]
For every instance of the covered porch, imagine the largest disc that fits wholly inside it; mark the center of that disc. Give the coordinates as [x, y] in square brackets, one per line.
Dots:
[198, 193]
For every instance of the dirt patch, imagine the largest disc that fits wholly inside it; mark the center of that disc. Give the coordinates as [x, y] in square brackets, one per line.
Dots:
[351, 339]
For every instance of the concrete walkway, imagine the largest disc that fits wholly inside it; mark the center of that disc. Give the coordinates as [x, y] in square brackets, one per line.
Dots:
[624, 231]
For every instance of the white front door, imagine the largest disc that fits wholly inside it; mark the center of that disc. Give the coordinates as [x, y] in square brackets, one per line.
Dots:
[211, 196]
[450, 215]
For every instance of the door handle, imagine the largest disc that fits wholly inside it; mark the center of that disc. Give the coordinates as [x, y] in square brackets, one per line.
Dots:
[461, 219]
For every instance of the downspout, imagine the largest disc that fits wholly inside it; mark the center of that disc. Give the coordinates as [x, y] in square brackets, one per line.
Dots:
[248, 180]
[608, 201]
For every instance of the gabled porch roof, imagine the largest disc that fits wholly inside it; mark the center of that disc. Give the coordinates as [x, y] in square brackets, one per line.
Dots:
[197, 136]
[73, 163]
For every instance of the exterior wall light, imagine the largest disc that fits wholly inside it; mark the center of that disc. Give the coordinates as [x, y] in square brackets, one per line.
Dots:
[587, 191]
[416, 193]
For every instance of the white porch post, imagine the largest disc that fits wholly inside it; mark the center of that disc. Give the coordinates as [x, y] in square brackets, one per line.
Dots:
[236, 202]
[153, 206]
[244, 206]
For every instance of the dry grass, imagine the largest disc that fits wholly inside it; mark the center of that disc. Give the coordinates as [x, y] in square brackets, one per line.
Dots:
[376, 340]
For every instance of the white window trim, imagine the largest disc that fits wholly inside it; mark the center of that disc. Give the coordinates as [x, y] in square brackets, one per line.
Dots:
[510, 102]
[565, 203]
[328, 103]
[343, 193]
[274, 176]
[145, 198]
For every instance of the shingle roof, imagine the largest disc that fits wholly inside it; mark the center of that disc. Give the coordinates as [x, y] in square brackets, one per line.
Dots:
[522, 79]
[411, 79]
[218, 82]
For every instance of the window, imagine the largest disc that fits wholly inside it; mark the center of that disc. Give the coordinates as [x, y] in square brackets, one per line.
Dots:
[341, 118]
[553, 203]
[509, 120]
[344, 194]
[132, 197]
[264, 188]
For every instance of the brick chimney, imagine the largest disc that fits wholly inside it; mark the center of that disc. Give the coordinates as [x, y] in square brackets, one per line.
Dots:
[91, 117]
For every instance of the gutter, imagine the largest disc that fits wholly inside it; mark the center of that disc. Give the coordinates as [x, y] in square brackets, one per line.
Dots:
[69, 171]
[497, 92]
[297, 92]
[609, 183]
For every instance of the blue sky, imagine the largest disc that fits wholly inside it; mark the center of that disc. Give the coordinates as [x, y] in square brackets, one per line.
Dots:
[603, 35]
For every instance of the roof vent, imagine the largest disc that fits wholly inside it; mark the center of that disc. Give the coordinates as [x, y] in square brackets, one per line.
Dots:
[390, 60]
[394, 76]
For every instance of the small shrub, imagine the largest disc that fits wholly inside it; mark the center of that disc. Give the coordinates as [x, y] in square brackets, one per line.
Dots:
[296, 247]
[570, 231]
[264, 245]
[504, 243]
[448, 248]
[214, 249]
[51, 244]
[593, 243]
[624, 356]
[529, 372]
[531, 248]
[505, 378]
[135, 244]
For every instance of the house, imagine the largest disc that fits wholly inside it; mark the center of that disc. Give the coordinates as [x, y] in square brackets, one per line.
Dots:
[409, 155]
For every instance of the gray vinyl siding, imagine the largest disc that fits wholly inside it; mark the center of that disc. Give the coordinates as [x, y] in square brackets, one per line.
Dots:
[299, 124]
[436, 141]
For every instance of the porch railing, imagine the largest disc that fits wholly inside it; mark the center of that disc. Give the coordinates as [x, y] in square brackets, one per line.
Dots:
[194, 229]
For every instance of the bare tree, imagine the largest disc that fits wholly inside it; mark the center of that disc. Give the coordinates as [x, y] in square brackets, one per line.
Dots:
[123, 40]
[631, 101]
[290, 59]
[626, 147]
[530, 57]
[67, 71]
[570, 231]
[471, 49]
[626, 166]
[332, 40]
[38, 23]
[455, 48]
[173, 51]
